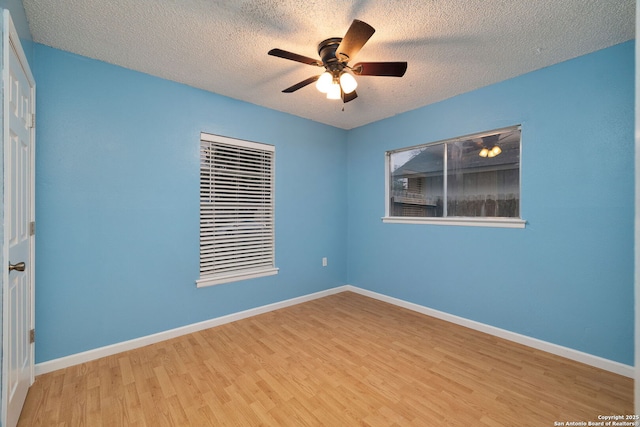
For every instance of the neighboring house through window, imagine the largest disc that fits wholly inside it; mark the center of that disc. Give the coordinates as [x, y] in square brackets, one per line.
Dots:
[236, 210]
[472, 180]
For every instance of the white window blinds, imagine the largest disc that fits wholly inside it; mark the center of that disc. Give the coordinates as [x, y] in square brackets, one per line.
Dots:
[236, 210]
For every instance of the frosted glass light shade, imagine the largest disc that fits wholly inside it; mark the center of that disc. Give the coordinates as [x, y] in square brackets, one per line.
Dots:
[483, 153]
[334, 91]
[496, 150]
[324, 82]
[348, 83]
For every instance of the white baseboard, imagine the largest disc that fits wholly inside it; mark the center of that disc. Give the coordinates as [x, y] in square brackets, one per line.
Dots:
[569, 353]
[86, 356]
[589, 359]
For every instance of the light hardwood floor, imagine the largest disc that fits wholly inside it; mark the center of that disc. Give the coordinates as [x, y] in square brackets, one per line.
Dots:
[343, 360]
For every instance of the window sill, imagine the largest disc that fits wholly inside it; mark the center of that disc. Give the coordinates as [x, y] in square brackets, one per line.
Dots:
[460, 221]
[235, 277]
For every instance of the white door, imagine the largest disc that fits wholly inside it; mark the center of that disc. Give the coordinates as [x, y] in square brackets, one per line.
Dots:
[18, 277]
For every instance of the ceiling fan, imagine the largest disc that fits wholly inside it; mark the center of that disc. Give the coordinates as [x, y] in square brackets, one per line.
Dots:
[335, 54]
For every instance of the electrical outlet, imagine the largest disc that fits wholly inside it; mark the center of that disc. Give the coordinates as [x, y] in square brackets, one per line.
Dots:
[324, 261]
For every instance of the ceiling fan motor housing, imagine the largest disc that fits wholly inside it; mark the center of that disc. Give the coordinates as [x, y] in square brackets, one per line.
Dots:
[327, 51]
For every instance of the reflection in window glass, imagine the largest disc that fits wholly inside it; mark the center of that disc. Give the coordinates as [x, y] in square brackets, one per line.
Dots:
[484, 186]
[417, 182]
[480, 177]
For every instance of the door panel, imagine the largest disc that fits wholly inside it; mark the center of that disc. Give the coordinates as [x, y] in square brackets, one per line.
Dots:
[18, 315]
[19, 149]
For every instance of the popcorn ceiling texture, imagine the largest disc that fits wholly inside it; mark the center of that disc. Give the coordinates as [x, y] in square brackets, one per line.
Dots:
[221, 46]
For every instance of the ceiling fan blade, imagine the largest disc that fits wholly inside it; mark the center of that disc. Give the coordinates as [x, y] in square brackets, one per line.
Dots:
[294, 57]
[357, 35]
[392, 69]
[346, 97]
[300, 85]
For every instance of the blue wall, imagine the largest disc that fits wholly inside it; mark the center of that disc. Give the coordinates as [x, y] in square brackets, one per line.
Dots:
[568, 277]
[118, 203]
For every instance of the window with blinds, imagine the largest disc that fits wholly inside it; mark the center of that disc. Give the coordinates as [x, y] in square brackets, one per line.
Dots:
[236, 210]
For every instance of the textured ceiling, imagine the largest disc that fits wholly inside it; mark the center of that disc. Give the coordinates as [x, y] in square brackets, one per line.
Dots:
[451, 46]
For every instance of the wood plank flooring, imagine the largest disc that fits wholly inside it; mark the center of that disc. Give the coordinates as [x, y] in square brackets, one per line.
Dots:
[342, 360]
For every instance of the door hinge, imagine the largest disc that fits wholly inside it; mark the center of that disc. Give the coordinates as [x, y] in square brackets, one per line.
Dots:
[32, 120]
[32, 228]
[32, 336]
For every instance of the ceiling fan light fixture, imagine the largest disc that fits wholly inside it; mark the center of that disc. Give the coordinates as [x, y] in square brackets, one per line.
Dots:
[334, 91]
[348, 83]
[324, 82]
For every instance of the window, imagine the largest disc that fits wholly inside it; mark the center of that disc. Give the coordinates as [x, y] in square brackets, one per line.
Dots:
[472, 180]
[236, 210]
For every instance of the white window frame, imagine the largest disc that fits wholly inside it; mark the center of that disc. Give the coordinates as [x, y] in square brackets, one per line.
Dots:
[453, 220]
[213, 222]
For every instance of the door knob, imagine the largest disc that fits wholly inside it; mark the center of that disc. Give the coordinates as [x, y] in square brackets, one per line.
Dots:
[19, 266]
